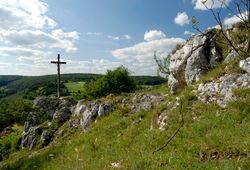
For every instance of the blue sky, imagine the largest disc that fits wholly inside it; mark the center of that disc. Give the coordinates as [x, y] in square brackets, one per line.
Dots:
[95, 35]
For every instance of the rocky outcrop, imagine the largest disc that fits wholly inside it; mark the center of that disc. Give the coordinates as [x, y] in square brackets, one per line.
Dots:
[193, 60]
[80, 107]
[48, 104]
[45, 137]
[231, 56]
[47, 107]
[87, 112]
[141, 102]
[245, 65]
[162, 121]
[62, 115]
[221, 91]
[30, 137]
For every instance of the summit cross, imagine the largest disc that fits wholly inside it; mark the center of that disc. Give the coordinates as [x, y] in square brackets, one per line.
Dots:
[58, 63]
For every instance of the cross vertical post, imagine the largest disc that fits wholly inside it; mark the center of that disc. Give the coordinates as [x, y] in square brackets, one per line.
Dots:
[58, 62]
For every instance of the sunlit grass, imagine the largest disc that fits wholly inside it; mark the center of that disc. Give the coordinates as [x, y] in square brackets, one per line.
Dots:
[211, 138]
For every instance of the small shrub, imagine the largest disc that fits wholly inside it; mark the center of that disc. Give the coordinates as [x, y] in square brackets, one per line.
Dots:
[14, 112]
[53, 127]
[114, 82]
[10, 143]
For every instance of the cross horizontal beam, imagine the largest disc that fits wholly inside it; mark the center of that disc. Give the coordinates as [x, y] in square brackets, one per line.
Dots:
[56, 62]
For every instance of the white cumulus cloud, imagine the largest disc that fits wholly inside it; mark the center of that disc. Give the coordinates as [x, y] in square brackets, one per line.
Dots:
[116, 38]
[16, 14]
[127, 37]
[39, 39]
[229, 21]
[95, 33]
[154, 35]
[29, 35]
[181, 18]
[202, 4]
[145, 50]
[188, 33]
[139, 58]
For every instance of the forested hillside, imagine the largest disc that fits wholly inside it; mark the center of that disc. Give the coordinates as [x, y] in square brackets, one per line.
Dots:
[20, 85]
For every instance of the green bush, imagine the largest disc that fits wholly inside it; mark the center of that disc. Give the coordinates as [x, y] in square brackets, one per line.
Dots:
[46, 90]
[14, 112]
[10, 143]
[115, 82]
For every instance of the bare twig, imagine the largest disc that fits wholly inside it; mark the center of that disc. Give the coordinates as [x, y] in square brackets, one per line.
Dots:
[217, 18]
[163, 66]
[177, 131]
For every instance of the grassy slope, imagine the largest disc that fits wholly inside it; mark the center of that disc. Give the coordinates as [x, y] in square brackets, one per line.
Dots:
[212, 138]
[73, 87]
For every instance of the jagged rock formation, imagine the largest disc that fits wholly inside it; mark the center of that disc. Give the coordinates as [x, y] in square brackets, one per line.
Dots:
[87, 112]
[141, 102]
[47, 104]
[221, 91]
[245, 65]
[193, 60]
[83, 114]
[47, 108]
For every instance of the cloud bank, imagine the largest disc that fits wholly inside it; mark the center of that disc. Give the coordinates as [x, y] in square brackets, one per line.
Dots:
[140, 57]
[27, 33]
[200, 5]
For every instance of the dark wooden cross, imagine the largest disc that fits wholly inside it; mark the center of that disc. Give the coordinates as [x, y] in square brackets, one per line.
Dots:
[58, 62]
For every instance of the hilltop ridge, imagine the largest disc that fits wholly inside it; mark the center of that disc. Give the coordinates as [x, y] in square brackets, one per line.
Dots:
[206, 106]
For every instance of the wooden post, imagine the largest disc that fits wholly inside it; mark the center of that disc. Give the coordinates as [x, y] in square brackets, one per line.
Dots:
[58, 62]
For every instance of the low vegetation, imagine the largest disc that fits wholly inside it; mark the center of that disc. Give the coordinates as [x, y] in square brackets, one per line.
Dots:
[29, 87]
[114, 82]
[211, 138]
[14, 112]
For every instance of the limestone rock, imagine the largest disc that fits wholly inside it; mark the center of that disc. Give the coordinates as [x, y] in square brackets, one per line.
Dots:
[197, 65]
[66, 102]
[141, 102]
[74, 123]
[93, 110]
[193, 60]
[62, 115]
[80, 107]
[104, 108]
[45, 137]
[173, 83]
[87, 117]
[162, 121]
[221, 91]
[29, 138]
[32, 119]
[48, 104]
[231, 56]
[245, 65]
[60, 110]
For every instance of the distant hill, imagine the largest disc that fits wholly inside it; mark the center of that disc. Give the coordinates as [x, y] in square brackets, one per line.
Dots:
[13, 84]
[6, 79]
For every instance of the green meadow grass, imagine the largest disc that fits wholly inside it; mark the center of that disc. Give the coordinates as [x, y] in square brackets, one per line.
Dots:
[75, 86]
[211, 138]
